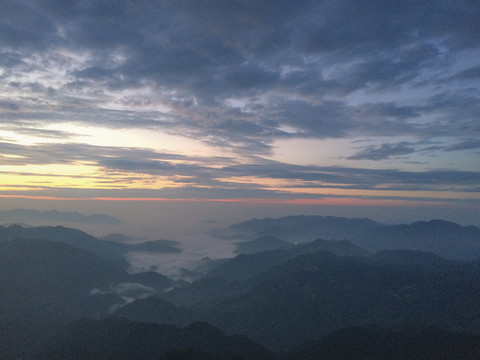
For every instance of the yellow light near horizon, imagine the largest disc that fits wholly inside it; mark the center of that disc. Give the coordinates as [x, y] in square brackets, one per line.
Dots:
[274, 182]
[79, 176]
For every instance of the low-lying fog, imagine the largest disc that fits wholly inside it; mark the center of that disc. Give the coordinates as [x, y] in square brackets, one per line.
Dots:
[195, 251]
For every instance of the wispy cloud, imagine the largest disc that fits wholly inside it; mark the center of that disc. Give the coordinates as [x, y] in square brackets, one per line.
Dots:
[384, 151]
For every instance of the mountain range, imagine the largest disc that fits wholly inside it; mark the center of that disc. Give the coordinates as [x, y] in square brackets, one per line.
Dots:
[106, 249]
[66, 294]
[446, 239]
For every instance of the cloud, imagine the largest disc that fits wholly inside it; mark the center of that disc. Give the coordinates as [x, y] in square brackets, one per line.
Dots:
[225, 177]
[129, 292]
[469, 144]
[384, 151]
[239, 76]
[469, 74]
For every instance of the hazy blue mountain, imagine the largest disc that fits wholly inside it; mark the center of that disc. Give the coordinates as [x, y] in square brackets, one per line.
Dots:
[299, 228]
[233, 277]
[278, 298]
[377, 343]
[120, 338]
[204, 290]
[154, 309]
[446, 239]
[163, 246]
[18, 223]
[56, 275]
[106, 249]
[56, 216]
[312, 295]
[119, 238]
[261, 244]
[79, 239]
[244, 266]
[45, 285]
[415, 258]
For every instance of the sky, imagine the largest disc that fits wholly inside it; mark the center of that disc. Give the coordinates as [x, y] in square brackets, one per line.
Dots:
[246, 108]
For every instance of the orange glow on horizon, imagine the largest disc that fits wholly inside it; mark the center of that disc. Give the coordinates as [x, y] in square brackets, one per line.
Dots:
[324, 201]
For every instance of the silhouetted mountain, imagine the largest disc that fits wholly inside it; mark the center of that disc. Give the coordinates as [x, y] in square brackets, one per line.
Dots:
[120, 338]
[299, 228]
[377, 343]
[413, 258]
[235, 276]
[111, 250]
[446, 239]
[314, 294]
[119, 238]
[189, 354]
[154, 309]
[18, 223]
[245, 266]
[46, 284]
[279, 298]
[164, 246]
[55, 216]
[58, 276]
[105, 249]
[261, 244]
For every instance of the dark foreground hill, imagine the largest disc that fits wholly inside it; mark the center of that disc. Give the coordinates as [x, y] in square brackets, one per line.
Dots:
[234, 276]
[120, 338]
[312, 295]
[45, 285]
[377, 343]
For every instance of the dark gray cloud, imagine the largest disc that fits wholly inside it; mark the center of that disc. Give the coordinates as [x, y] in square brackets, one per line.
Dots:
[469, 144]
[469, 74]
[384, 151]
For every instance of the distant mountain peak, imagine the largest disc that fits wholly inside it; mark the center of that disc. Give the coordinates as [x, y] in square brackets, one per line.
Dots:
[49, 216]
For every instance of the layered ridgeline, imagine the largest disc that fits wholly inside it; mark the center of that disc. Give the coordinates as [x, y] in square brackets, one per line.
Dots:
[446, 239]
[106, 249]
[295, 301]
[299, 228]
